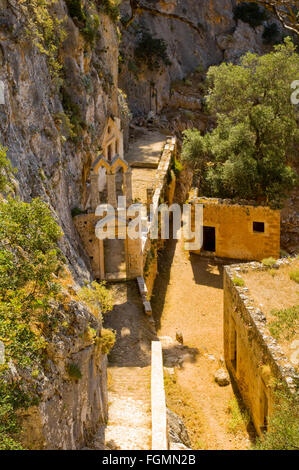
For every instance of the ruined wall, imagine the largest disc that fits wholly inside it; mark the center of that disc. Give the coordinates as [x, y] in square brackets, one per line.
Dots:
[251, 354]
[163, 192]
[235, 236]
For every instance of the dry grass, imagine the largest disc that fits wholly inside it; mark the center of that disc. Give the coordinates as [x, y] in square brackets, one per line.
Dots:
[182, 403]
[239, 417]
[274, 290]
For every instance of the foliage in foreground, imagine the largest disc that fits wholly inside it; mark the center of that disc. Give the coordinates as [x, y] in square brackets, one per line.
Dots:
[29, 258]
[248, 154]
[97, 297]
[283, 433]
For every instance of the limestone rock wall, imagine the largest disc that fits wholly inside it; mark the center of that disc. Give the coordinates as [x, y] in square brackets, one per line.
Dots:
[70, 410]
[49, 163]
[220, 38]
[53, 165]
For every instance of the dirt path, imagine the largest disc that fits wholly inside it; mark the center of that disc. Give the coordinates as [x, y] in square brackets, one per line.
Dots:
[188, 297]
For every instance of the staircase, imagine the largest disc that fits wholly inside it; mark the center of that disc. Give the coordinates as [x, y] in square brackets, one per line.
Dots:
[129, 421]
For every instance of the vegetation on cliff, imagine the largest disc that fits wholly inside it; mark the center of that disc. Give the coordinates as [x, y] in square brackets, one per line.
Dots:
[30, 292]
[249, 153]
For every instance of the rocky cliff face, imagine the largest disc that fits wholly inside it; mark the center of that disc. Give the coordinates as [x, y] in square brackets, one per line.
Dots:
[217, 37]
[34, 123]
[52, 130]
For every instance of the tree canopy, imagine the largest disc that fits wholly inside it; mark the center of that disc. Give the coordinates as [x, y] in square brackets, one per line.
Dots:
[249, 153]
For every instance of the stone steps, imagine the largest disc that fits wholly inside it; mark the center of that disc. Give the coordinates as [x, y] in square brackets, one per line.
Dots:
[129, 398]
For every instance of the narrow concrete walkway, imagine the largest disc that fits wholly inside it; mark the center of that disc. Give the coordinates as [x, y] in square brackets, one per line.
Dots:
[129, 372]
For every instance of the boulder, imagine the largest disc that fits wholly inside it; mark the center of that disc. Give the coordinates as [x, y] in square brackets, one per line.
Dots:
[221, 377]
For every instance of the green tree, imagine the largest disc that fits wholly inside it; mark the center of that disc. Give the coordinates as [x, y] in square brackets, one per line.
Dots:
[250, 151]
[29, 260]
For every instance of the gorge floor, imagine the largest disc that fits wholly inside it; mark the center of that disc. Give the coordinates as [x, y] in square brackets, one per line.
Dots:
[188, 297]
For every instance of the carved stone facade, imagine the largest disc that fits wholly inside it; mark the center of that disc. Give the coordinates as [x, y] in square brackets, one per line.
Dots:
[110, 177]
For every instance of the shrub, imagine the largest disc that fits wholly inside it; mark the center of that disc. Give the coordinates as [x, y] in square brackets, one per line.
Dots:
[90, 31]
[107, 340]
[250, 13]
[294, 276]
[151, 51]
[72, 110]
[76, 10]
[76, 211]
[176, 167]
[269, 262]
[110, 7]
[238, 282]
[283, 433]
[45, 30]
[29, 257]
[74, 371]
[5, 170]
[286, 323]
[97, 296]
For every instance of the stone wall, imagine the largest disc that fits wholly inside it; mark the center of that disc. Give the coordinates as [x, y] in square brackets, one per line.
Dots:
[163, 191]
[252, 356]
[234, 231]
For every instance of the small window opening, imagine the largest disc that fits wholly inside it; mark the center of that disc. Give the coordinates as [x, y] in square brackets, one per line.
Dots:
[259, 227]
[109, 153]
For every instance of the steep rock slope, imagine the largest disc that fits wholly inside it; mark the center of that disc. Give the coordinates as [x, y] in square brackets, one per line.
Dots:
[51, 125]
[215, 37]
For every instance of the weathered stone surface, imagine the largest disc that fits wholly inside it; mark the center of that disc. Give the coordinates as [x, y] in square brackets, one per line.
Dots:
[178, 434]
[69, 410]
[222, 378]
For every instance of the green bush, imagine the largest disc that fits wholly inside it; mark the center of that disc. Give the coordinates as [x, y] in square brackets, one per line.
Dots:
[176, 167]
[269, 262]
[283, 433]
[90, 31]
[72, 110]
[238, 282]
[286, 323]
[151, 51]
[97, 296]
[74, 371]
[107, 340]
[250, 13]
[29, 256]
[110, 7]
[45, 30]
[76, 10]
[294, 276]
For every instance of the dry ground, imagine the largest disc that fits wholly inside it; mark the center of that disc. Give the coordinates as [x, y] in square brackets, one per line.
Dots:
[274, 290]
[188, 296]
